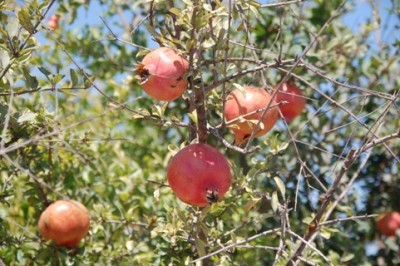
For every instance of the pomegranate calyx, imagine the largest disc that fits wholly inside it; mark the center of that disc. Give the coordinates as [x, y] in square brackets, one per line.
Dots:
[212, 196]
[143, 73]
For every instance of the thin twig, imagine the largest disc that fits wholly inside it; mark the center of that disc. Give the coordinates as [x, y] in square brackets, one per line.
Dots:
[353, 218]
[281, 4]
[239, 243]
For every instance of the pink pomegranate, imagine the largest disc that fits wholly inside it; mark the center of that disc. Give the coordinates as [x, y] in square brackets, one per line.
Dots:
[162, 74]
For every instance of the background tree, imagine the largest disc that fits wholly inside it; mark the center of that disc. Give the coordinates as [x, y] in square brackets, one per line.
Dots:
[74, 124]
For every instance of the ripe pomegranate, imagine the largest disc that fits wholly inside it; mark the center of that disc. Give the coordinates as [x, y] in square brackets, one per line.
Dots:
[199, 175]
[294, 98]
[65, 222]
[388, 223]
[162, 74]
[53, 22]
[241, 102]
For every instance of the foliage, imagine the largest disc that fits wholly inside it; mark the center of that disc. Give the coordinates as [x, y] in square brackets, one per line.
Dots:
[74, 124]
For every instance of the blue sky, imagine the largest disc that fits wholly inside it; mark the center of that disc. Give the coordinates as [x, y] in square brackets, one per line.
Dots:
[361, 13]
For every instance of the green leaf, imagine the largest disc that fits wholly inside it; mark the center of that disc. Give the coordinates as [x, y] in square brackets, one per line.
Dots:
[12, 27]
[325, 233]
[152, 31]
[27, 117]
[25, 19]
[175, 11]
[156, 194]
[4, 59]
[57, 78]
[281, 186]
[73, 76]
[254, 3]
[88, 81]
[347, 257]
[201, 247]
[156, 110]
[31, 81]
[142, 53]
[129, 245]
[274, 201]
[7, 137]
[193, 116]
[45, 71]
[307, 220]
[251, 204]
[208, 43]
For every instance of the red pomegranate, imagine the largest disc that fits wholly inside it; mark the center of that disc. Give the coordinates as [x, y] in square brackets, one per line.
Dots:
[388, 223]
[199, 175]
[241, 102]
[294, 98]
[53, 22]
[162, 74]
[65, 222]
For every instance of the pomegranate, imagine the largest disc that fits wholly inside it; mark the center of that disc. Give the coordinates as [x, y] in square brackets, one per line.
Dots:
[53, 22]
[243, 109]
[294, 98]
[162, 74]
[65, 222]
[388, 223]
[199, 175]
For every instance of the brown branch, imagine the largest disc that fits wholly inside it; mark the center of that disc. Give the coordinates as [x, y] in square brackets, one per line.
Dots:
[313, 227]
[321, 73]
[41, 90]
[335, 103]
[233, 121]
[306, 243]
[214, 131]
[384, 139]
[282, 4]
[353, 218]
[199, 95]
[239, 243]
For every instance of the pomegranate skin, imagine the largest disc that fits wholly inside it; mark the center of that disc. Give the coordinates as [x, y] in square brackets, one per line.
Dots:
[65, 222]
[243, 101]
[53, 22]
[199, 175]
[388, 223]
[294, 98]
[162, 74]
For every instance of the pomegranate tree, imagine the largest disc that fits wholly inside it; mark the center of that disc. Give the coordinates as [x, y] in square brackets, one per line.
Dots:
[162, 74]
[199, 175]
[244, 108]
[388, 223]
[65, 222]
[294, 98]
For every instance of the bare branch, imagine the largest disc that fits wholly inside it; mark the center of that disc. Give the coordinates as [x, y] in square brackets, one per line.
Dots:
[239, 243]
[282, 4]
